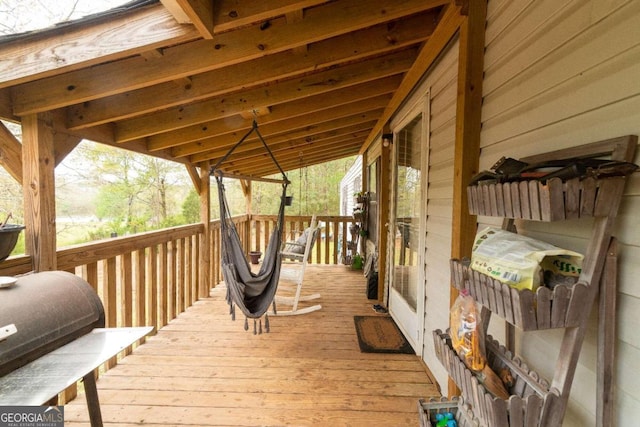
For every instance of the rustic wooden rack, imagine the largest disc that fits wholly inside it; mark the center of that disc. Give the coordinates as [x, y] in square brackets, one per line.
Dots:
[534, 401]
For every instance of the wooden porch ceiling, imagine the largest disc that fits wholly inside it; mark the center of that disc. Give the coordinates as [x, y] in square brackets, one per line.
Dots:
[180, 81]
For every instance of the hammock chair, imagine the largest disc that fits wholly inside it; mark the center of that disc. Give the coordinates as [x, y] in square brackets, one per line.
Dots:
[252, 292]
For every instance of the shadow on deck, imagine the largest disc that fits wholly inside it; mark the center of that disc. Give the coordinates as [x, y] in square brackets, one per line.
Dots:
[204, 370]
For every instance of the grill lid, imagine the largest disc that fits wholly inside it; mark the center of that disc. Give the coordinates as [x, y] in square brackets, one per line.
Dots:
[49, 309]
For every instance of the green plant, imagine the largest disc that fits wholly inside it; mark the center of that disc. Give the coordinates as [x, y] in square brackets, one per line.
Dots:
[357, 261]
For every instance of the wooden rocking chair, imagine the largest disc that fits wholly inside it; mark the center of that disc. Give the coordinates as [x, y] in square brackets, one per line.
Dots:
[298, 253]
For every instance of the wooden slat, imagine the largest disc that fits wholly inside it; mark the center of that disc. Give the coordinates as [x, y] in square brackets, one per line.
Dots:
[572, 199]
[203, 365]
[609, 192]
[515, 201]
[543, 307]
[110, 292]
[560, 305]
[534, 200]
[163, 282]
[145, 29]
[605, 416]
[183, 279]
[152, 286]
[140, 289]
[126, 297]
[588, 196]
[556, 199]
[172, 275]
[525, 203]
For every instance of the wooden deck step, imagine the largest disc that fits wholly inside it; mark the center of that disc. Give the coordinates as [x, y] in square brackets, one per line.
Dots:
[204, 370]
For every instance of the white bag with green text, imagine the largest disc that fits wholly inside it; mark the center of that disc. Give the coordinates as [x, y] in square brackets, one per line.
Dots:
[521, 261]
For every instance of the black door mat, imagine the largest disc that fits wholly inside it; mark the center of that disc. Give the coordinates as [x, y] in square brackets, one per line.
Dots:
[380, 334]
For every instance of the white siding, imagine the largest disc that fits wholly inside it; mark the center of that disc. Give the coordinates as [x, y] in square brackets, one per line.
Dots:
[560, 74]
[443, 87]
[349, 185]
[441, 84]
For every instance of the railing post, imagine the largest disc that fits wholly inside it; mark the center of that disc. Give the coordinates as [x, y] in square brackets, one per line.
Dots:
[204, 278]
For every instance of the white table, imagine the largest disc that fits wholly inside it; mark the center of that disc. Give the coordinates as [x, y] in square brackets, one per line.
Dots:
[41, 380]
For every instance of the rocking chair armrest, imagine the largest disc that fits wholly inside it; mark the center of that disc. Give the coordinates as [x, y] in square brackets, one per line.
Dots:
[294, 244]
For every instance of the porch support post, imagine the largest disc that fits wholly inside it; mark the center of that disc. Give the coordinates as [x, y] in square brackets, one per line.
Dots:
[38, 187]
[204, 279]
[468, 123]
[383, 209]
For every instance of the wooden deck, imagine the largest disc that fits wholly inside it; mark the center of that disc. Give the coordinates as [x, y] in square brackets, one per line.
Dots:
[204, 370]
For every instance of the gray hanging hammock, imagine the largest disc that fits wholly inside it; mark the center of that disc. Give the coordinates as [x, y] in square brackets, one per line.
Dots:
[252, 292]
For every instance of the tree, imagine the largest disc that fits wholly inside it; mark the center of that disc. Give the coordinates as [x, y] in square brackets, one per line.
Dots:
[315, 190]
[191, 208]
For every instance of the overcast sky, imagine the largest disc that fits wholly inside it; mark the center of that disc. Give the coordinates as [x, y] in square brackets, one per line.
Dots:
[17, 16]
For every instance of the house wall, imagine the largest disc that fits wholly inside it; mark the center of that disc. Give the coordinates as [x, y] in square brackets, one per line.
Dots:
[557, 75]
[440, 84]
[350, 184]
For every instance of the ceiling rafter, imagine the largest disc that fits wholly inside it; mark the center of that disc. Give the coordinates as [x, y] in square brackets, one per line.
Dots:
[334, 118]
[251, 159]
[205, 55]
[282, 112]
[232, 14]
[197, 12]
[371, 41]
[316, 130]
[228, 105]
[326, 74]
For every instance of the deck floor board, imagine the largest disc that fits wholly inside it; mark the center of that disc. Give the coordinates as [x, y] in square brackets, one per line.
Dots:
[204, 370]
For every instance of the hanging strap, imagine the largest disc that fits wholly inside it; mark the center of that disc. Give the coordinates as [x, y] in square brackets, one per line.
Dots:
[254, 128]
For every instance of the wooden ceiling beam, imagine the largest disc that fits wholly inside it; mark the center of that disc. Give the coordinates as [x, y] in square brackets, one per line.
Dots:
[317, 134]
[447, 28]
[10, 153]
[6, 110]
[63, 145]
[64, 49]
[226, 49]
[287, 152]
[289, 165]
[197, 12]
[218, 146]
[286, 91]
[273, 123]
[376, 40]
[232, 14]
[278, 112]
[297, 16]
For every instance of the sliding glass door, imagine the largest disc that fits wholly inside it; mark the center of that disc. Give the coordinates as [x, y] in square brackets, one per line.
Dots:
[405, 295]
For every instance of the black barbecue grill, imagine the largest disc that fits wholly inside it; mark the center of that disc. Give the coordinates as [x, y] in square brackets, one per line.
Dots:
[51, 335]
[48, 309]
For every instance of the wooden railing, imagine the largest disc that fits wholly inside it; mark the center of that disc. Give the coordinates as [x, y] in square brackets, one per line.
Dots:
[328, 249]
[148, 279]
